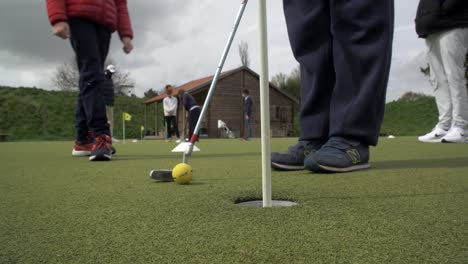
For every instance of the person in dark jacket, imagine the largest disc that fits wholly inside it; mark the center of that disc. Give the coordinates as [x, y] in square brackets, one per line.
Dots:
[248, 104]
[444, 25]
[192, 108]
[344, 49]
[89, 25]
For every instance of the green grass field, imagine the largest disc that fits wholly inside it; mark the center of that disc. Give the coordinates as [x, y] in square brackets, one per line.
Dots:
[412, 207]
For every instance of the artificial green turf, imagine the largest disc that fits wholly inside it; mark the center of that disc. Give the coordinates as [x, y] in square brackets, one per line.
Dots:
[412, 207]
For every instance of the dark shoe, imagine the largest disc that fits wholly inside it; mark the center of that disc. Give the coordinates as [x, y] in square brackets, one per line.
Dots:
[113, 150]
[339, 155]
[294, 158]
[102, 149]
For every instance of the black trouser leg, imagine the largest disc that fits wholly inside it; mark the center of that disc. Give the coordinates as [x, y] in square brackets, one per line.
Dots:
[91, 43]
[193, 119]
[175, 126]
[344, 48]
[168, 126]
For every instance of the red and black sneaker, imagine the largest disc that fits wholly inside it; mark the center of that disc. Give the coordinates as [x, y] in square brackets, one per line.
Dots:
[102, 149]
[82, 149]
[91, 138]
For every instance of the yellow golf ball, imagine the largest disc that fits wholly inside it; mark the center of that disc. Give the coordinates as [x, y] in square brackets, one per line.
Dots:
[182, 173]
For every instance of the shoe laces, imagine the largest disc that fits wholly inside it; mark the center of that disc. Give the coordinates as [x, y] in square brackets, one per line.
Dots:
[456, 131]
[438, 131]
[339, 143]
[103, 141]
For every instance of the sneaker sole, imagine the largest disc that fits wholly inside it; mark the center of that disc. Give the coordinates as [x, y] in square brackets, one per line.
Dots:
[283, 167]
[454, 141]
[431, 141]
[100, 158]
[348, 169]
[80, 153]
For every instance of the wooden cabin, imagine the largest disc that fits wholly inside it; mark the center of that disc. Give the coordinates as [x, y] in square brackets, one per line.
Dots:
[227, 104]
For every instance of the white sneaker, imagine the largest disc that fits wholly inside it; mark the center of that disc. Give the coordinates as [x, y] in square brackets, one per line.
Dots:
[178, 141]
[435, 136]
[456, 135]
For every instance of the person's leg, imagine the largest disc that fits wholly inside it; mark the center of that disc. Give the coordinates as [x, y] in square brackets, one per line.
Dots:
[108, 85]
[440, 82]
[248, 124]
[362, 50]
[175, 126]
[308, 23]
[453, 48]
[86, 43]
[82, 130]
[362, 32]
[193, 119]
[169, 131]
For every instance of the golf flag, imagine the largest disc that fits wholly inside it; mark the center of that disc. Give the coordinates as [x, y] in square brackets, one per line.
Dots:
[142, 128]
[127, 117]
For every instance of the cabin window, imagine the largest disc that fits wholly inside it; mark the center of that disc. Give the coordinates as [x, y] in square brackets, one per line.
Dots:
[277, 112]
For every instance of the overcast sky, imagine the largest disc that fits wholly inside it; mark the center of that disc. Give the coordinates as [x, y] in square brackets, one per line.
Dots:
[180, 40]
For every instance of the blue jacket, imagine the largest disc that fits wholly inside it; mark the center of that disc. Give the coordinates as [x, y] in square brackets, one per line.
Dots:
[188, 101]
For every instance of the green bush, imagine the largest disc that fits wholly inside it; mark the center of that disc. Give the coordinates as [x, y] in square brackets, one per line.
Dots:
[36, 114]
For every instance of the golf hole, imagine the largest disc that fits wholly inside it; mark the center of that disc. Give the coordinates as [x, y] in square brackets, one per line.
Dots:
[254, 199]
[274, 203]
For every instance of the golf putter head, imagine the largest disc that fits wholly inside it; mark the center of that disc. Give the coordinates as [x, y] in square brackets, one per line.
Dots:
[161, 175]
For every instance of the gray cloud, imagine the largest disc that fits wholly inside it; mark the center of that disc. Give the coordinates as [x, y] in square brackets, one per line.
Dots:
[175, 41]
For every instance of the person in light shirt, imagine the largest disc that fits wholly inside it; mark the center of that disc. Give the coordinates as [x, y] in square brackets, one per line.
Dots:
[170, 104]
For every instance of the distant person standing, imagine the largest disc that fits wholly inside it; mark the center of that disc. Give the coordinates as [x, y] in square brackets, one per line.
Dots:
[89, 24]
[247, 105]
[444, 25]
[170, 105]
[192, 108]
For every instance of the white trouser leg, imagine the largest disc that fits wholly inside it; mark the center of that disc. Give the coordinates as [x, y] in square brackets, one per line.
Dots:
[453, 49]
[440, 82]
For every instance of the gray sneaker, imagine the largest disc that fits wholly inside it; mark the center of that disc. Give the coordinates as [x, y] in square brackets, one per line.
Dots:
[339, 155]
[294, 158]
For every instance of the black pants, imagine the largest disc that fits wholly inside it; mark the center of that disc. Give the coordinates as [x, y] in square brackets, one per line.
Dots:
[171, 123]
[193, 119]
[344, 49]
[91, 44]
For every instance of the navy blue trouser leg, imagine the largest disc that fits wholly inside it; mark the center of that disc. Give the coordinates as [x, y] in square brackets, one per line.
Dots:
[91, 45]
[248, 128]
[194, 115]
[344, 48]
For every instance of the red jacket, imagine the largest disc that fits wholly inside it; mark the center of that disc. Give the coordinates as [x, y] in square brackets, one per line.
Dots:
[109, 13]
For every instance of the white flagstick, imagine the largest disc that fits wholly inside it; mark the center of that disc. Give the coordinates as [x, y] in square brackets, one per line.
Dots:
[265, 103]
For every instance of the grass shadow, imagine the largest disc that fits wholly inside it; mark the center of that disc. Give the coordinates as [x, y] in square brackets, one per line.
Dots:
[190, 184]
[178, 156]
[389, 196]
[421, 164]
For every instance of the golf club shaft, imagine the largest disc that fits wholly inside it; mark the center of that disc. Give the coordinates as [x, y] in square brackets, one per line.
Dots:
[217, 74]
